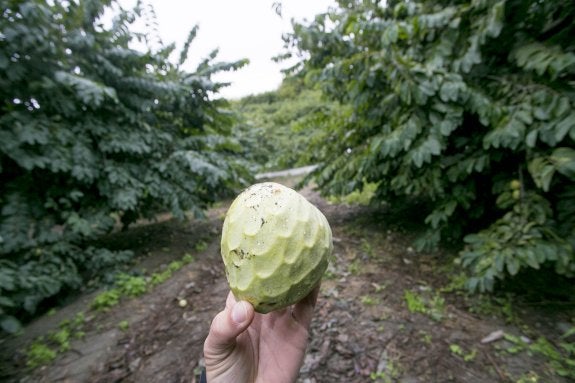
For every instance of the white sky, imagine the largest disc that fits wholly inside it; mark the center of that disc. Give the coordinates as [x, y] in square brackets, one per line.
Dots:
[240, 29]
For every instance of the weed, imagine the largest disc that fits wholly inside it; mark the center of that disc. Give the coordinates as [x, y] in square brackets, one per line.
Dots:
[457, 350]
[414, 302]
[106, 299]
[175, 266]
[456, 284]
[158, 278]
[200, 246]
[506, 307]
[188, 258]
[437, 307]
[530, 377]
[378, 288]
[74, 323]
[496, 306]
[39, 354]
[561, 361]
[354, 267]
[389, 374]
[357, 197]
[426, 337]
[131, 286]
[62, 339]
[368, 300]
[329, 274]
[124, 325]
[434, 307]
[367, 248]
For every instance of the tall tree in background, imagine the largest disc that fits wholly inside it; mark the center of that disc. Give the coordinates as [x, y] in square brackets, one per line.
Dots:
[467, 106]
[91, 129]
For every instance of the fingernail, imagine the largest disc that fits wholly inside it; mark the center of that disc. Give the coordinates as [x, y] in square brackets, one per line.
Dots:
[239, 312]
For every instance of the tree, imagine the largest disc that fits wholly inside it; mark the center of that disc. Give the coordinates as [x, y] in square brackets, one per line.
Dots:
[270, 126]
[92, 130]
[467, 107]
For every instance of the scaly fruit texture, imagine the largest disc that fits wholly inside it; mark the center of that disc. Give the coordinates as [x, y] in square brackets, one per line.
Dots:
[275, 246]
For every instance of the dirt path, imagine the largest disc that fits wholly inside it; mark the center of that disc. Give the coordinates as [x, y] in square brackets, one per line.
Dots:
[382, 316]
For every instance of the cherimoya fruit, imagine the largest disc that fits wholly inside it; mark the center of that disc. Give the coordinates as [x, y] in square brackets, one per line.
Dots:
[275, 246]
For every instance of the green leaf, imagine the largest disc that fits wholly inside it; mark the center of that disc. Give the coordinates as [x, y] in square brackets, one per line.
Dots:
[448, 91]
[512, 265]
[9, 324]
[531, 139]
[496, 19]
[90, 92]
[542, 172]
[564, 161]
[564, 127]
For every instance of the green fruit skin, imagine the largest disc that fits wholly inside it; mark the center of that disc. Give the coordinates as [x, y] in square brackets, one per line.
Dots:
[515, 185]
[275, 246]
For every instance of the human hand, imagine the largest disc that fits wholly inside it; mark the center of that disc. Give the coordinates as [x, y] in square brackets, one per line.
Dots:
[244, 346]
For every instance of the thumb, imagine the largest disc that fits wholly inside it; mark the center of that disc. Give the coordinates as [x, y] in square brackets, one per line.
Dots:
[225, 327]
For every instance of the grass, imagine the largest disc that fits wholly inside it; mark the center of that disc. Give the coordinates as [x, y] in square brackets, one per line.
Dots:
[368, 300]
[458, 351]
[124, 325]
[43, 350]
[133, 286]
[560, 358]
[39, 354]
[434, 306]
[357, 197]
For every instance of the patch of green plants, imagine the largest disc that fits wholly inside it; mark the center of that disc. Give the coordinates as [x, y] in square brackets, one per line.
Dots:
[124, 325]
[107, 299]
[368, 300]
[354, 267]
[175, 266]
[39, 354]
[329, 274]
[201, 246]
[357, 197]
[433, 306]
[131, 286]
[560, 358]
[501, 306]
[390, 374]
[530, 377]
[456, 283]
[367, 248]
[379, 288]
[188, 258]
[457, 350]
[426, 337]
[160, 277]
[45, 349]
[62, 339]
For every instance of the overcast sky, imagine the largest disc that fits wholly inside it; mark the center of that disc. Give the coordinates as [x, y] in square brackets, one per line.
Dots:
[240, 29]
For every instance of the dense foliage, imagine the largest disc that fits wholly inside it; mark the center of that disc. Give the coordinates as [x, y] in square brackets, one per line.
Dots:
[93, 132]
[274, 126]
[466, 107]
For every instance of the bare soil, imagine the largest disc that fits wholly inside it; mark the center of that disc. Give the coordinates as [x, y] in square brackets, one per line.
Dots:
[364, 329]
